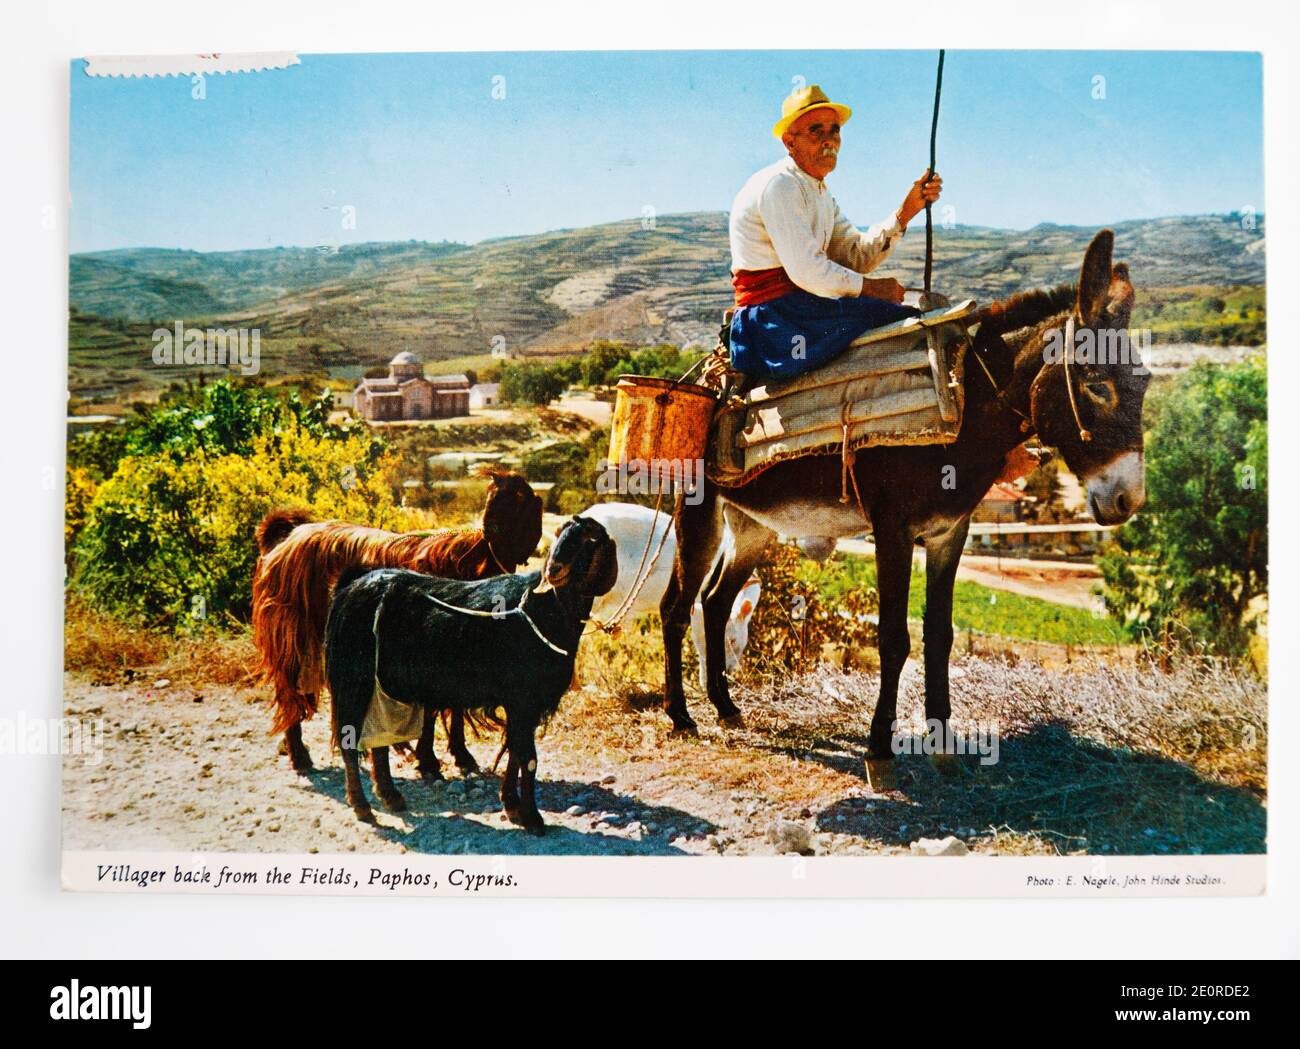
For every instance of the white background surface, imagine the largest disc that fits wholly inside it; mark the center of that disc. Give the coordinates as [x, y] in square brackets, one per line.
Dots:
[37, 919]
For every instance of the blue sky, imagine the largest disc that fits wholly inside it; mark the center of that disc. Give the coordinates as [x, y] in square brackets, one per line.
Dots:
[417, 144]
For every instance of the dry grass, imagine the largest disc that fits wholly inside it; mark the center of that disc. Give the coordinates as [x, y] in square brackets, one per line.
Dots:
[114, 652]
[1099, 758]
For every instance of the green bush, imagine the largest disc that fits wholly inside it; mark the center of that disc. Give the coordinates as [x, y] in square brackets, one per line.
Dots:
[168, 539]
[1197, 556]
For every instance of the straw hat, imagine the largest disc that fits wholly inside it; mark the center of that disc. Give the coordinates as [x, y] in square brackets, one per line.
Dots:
[803, 100]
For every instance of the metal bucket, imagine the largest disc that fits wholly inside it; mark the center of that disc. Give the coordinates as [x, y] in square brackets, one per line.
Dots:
[656, 419]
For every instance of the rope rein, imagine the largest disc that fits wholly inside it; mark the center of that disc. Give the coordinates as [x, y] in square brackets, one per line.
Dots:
[613, 623]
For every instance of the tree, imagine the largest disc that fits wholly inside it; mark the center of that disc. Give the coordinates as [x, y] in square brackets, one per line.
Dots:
[1198, 554]
[1044, 484]
[532, 384]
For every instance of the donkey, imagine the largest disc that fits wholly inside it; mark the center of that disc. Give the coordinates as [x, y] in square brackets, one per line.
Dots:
[1090, 411]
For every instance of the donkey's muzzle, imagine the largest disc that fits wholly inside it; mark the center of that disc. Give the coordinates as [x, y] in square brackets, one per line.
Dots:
[1118, 490]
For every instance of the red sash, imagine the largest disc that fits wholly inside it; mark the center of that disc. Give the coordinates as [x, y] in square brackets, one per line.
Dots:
[754, 287]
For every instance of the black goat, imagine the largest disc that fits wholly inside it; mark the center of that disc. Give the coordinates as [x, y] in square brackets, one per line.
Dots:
[442, 644]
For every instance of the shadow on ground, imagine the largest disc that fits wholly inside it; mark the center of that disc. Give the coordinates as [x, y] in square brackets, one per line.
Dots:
[1071, 792]
[440, 819]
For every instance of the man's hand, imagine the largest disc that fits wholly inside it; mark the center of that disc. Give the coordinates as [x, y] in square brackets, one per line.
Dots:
[883, 288]
[925, 190]
[1020, 462]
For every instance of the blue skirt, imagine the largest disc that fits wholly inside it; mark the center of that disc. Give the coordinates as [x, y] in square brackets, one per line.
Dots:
[800, 332]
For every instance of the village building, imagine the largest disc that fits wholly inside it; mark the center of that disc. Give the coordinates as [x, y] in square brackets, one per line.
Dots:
[484, 395]
[405, 393]
[1003, 503]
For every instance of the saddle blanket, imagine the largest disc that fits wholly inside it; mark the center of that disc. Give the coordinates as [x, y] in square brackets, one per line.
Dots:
[900, 384]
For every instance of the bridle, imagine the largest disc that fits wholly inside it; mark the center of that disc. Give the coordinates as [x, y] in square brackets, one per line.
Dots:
[1084, 433]
[1027, 425]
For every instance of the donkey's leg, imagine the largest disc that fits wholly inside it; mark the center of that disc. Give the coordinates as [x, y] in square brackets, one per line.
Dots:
[425, 758]
[893, 575]
[383, 780]
[699, 531]
[456, 741]
[299, 756]
[520, 733]
[942, 556]
[748, 540]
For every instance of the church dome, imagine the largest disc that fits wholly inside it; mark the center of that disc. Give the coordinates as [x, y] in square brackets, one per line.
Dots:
[405, 365]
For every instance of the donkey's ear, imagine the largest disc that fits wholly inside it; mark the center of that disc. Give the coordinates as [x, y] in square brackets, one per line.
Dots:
[1094, 278]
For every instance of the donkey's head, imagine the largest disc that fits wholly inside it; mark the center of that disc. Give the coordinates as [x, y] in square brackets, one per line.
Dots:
[1087, 400]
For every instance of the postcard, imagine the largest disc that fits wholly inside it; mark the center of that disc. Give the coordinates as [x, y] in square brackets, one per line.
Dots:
[701, 473]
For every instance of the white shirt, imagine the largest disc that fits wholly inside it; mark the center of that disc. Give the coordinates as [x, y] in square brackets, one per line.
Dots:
[784, 217]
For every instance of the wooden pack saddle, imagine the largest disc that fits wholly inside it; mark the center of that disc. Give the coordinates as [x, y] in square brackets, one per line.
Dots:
[900, 384]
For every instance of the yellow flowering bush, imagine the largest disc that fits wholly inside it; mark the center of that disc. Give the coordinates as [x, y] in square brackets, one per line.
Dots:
[168, 539]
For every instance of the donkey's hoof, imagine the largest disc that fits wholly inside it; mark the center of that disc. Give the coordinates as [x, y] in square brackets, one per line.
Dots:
[300, 762]
[394, 802]
[950, 766]
[466, 764]
[684, 729]
[736, 720]
[882, 774]
[431, 776]
[366, 816]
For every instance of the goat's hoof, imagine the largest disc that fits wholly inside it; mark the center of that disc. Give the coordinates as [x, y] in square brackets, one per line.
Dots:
[431, 776]
[687, 728]
[538, 828]
[882, 774]
[950, 766]
[736, 720]
[394, 802]
[467, 765]
[366, 816]
[514, 815]
[301, 763]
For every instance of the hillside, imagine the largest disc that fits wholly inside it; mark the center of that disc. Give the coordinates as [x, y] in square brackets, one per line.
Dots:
[550, 294]
[138, 284]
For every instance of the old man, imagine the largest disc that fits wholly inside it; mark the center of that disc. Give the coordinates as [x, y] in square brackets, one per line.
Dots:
[798, 265]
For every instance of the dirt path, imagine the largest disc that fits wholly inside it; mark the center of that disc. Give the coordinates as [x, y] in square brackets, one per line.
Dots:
[193, 769]
[1061, 582]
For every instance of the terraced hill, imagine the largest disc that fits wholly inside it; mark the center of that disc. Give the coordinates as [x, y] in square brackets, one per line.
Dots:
[550, 294]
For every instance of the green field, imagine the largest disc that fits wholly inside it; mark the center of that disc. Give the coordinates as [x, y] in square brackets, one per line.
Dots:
[975, 607]
[1204, 314]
